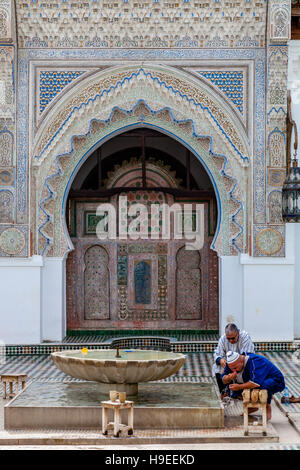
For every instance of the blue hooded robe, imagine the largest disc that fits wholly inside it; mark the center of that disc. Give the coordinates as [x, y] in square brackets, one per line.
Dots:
[261, 372]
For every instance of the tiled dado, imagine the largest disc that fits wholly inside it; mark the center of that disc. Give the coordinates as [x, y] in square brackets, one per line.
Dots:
[39, 349]
[205, 346]
[176, 346]
[73, 336]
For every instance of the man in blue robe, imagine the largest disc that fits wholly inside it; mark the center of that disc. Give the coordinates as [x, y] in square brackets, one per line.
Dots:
[252, 371]
[234, 339]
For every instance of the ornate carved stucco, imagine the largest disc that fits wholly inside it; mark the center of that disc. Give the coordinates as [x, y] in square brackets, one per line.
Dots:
[7, 108]
[74, 35]
[280, 20]
[55, 162]
[146, 23]
[96, 94]
[5, 20]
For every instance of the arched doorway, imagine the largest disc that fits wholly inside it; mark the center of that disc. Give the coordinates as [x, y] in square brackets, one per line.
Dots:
[148, 283]
[159, 98]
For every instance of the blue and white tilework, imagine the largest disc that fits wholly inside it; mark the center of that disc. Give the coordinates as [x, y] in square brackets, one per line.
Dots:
[230, 82]
[52, 83]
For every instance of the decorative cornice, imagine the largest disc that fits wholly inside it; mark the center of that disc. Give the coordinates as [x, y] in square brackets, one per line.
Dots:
[151, 24]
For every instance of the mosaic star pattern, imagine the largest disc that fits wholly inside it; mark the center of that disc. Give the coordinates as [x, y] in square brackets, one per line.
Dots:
[52, 83]
[231, 83]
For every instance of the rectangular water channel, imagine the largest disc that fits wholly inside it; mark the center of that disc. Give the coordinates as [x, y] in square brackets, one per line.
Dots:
[78, 405]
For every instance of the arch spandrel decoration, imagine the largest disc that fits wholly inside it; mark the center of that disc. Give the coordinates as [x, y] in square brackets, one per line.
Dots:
[68, 139]
[114, 87]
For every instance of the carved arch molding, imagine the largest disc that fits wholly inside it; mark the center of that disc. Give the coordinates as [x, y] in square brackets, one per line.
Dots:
[114, 100]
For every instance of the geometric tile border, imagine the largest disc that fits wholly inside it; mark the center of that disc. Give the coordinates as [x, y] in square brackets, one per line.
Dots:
[176, 346]
[103, 336]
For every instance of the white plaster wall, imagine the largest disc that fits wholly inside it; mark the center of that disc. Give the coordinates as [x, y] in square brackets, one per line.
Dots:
[297, 282]
[20, 294]
[269, 288]
[294, 86]
[268, 302]
[262, 295]
[231, 291]
[53, 300]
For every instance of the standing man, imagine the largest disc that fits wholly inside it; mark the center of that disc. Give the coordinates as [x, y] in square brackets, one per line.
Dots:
[252, 371]
[233, 340]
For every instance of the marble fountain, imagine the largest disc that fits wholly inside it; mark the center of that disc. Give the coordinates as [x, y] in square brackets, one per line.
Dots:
[120, 370]
[76, 404]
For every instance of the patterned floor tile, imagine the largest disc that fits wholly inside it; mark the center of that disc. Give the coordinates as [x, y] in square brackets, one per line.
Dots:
[196, 369]
[284, 362]
[294, 419]
[293, 384]
[233, 432]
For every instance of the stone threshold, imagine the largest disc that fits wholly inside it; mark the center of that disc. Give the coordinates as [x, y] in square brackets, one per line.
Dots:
[163, 436]
[294, 418]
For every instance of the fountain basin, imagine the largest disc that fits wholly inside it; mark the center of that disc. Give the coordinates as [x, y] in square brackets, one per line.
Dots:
[77, 405]
[123, 373]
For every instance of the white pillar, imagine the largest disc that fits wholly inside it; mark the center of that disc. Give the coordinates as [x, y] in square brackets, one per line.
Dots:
[269, 289]
[296, 228]
[294, 87]
[231, 291]
[53, 300]
[20, 294]
[262, 294]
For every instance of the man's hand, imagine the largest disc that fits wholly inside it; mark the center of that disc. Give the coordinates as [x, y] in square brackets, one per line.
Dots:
[235, 387]
[229, 378]
[232, 376]
[223, 363]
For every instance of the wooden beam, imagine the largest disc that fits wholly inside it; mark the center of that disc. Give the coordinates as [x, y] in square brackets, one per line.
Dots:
[188, 169]
[99, 159]
[144, 177]
[145, 132]
[96, 194]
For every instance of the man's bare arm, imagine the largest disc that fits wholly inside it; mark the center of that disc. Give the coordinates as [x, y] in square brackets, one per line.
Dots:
[237, 387]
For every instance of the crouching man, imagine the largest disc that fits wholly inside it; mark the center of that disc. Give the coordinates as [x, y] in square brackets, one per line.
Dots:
[252, 371]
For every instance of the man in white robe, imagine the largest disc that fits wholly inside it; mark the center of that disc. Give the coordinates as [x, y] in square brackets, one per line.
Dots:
[233, 340]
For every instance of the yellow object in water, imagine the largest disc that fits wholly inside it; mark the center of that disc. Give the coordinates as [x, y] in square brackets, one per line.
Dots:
[84, 351]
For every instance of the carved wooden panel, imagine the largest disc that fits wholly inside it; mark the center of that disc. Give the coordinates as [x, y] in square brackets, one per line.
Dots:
[96, 284]
[188, 284]
[109, 286]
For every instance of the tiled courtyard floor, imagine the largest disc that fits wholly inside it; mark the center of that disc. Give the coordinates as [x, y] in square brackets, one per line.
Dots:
[284, 426]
